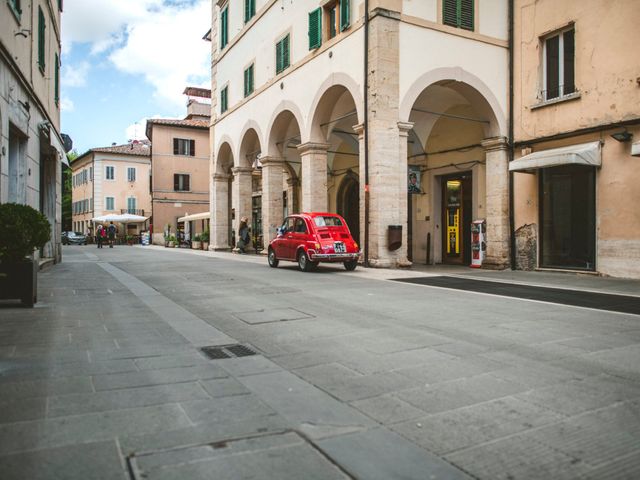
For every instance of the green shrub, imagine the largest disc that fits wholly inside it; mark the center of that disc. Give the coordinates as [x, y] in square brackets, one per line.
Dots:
[197, 238]
[205, 236]
[22, 230]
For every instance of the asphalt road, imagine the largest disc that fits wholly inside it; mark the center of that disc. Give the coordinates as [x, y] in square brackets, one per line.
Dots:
[355, 376]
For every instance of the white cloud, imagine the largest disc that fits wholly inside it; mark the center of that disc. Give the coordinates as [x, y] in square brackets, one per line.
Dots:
[66, 104]
[137, 130]
[160, 40]
[75, 75]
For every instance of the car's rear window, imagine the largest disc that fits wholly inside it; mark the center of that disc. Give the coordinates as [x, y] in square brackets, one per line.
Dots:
[327, 221]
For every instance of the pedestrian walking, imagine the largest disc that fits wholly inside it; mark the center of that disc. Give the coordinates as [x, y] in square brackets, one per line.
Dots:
[112, 230]
[100, 235]
[243, 234]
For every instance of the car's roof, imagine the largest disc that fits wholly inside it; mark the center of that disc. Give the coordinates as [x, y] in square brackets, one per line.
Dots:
[315, 214]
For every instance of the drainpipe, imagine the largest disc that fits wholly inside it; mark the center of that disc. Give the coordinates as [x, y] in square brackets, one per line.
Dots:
[366, 133]
[510, 150]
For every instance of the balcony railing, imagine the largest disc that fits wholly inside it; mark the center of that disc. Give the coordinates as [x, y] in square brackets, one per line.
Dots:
[132, 211]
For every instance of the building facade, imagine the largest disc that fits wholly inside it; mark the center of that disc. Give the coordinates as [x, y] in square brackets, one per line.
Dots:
[576, 101]
[335, 109]
[31, 146]
[180, 166]
[111, 180]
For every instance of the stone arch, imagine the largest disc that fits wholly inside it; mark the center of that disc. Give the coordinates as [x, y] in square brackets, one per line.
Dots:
[283, 106]
[348, 204]
[471, 86]
[224, 157]
[336, 83]
[250, 146]
[250, 125]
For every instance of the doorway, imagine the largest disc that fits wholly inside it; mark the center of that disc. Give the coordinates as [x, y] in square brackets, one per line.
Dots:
[349, 204]
[456, 218]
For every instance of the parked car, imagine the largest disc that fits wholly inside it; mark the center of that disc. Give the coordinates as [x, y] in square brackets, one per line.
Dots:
[310, 238]
[73, 238]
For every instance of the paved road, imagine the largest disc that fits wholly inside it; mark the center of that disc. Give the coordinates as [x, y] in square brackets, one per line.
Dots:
[356, 376]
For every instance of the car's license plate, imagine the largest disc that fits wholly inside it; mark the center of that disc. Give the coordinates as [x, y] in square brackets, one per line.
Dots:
[339, 247]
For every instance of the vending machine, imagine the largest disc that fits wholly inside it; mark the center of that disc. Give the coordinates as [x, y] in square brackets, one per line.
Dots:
[478, 242]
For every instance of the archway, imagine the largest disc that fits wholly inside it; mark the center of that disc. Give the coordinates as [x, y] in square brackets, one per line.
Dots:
[348, 203]
[221, 214]
[246, 187]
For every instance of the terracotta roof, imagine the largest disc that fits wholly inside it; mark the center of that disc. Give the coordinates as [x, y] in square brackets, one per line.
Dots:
[134, 148]
[197, 92]
[179, 123]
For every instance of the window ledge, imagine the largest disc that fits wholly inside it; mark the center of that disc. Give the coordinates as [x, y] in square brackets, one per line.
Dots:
[565, 98]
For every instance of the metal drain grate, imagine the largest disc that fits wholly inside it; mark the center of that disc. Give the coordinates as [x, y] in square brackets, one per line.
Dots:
[228, 351]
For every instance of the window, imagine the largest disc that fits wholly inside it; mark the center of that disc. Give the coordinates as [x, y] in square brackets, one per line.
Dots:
[60, 5]
[131, 174]
[56, 80]
[91, 173]
[131, 205]
[301, 226]
[110, 203]
[288, 224]
[558, 65]
[41, 31]
[110, 173]
[224, 27]
[248, 81]
[345, 18]
[315, 28]
[249, 9]
[184, 146]
[181, 182]
[458, 13]
[224, 101]
[282, 55]
[16, 8]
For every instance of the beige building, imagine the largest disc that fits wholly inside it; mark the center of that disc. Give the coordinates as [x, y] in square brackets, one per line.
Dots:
[334, 109]
[180, 166]
[577, 133]
[31, 146]
[111, 180]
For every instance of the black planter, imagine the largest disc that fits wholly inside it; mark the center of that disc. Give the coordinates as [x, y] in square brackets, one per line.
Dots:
[19, 280]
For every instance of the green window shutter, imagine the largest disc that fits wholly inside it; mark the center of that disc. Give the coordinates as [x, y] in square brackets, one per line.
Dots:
[279, 66]
[466, 14]
[248, 81]
[345, 19]
[41, 39]
[315, 29]
[285, 52]
[223, 99]
[249, 9]
[450, 12]
[56, 79]
[224, 28]
[251, 79]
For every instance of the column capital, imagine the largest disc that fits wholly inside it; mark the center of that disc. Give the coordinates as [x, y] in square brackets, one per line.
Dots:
[271, 161]
[359, 129]
[220, 177]
[405, 128]
[313, 147]
[494, 144]
[237, 170]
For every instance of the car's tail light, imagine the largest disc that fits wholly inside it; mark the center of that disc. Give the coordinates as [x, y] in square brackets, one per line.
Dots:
[317, 247]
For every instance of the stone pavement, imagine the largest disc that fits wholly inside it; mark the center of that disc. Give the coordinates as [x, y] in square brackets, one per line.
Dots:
[355, 377]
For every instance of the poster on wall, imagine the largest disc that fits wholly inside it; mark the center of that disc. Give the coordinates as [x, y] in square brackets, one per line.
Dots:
[414, 179]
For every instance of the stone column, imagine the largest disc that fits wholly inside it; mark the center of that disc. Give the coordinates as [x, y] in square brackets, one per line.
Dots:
[220, 221]
[402, 259]
[497, 203]
[359, 129]
[292, 195]
[272, 187]
[241, 192]
[314, 176]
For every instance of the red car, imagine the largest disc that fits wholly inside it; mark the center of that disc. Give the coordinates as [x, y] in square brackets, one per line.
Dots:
[310, 238]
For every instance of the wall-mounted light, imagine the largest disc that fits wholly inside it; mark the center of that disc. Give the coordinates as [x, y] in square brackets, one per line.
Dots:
[622, 136]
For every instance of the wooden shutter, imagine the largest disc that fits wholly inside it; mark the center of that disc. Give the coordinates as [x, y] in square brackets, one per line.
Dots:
[450, 12]
[41, 39]
[250, 79]
[56, 80]
[285, 52]
[175, 146]
[185, 182]
[247, 10]
[345, 19]
[176, 182]
[466, 14]
[279, 57]
[192, 148]
[315, 29]
[246, 82]
[224, 31]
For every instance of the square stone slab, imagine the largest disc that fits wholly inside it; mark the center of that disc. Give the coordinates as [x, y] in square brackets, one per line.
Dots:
[272, 315]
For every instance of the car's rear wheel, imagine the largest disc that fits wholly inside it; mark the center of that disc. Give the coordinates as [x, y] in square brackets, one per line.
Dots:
[351, 265]
[273, 260]
[304, 263]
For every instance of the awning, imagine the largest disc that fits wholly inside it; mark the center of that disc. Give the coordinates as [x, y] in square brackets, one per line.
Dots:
[582, 154]
[124, 218]
[195, 216]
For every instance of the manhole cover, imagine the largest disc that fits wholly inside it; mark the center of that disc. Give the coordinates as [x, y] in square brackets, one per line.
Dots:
[275, 455]
[218, 352]
[271, 316]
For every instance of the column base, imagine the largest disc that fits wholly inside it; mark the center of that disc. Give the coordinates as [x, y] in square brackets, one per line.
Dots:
[496, 264]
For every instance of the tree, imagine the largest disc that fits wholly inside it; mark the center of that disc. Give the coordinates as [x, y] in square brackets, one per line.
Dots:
[67, 175]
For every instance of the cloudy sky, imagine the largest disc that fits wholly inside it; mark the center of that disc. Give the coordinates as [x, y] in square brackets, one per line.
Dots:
[124, 61]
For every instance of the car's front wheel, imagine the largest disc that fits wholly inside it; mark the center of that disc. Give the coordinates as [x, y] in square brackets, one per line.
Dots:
[273, 260]
[304, 263]
[351, 265]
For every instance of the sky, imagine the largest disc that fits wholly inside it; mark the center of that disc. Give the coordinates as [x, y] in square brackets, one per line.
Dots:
[124, 61]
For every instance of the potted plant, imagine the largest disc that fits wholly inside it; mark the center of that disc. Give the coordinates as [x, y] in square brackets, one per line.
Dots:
[204, 238]
[172, 241]
[129, 239]
[197, 243]
[23, 230]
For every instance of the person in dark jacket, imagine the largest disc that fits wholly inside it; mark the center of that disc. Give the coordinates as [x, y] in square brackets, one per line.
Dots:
[112, 230]
[243, 234]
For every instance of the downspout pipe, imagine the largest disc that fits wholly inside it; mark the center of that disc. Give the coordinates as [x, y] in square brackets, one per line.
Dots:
[510, 149]
[366, 133]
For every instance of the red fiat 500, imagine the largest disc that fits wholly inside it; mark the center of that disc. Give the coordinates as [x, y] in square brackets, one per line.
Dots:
[310, 238]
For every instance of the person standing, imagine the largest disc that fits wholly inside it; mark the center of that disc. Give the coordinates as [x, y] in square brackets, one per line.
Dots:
[99, 235]
[112, 230]
[243, 233]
